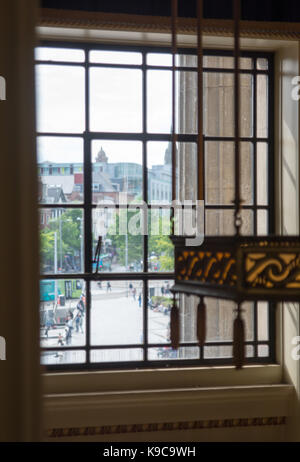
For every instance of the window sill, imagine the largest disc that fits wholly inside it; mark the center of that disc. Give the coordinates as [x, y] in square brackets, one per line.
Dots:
[155, 379]
[107, 413]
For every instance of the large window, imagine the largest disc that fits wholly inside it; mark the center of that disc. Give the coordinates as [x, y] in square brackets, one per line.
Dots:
[104, 146]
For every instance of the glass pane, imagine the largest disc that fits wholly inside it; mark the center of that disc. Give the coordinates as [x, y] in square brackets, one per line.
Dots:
[116, 313]
[220, 318]
[263, 321]
[160, 247]
[247, 173]
[49, 358]
[59, 54]
[108, 356]
[188, 311]
[226, 62]
[159, 168]
[165, 59]
[60, 99]
[159, 101]
[262, 64]
[219, 222]
[61, 240]
[246, 105]
[263, 351]
[219, 172]
[217, 352]
[159, 308]
[262, 105]
[262, 174]
[122, 238]
[218, 104]
[115, 57]
[115, 100]
[219, 321]
[60, 169]
[117, 168]
[262, 222]
[247, 227]
[62, 312]
[167, 353]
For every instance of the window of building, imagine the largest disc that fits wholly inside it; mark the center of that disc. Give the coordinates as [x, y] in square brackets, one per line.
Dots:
[107, 111]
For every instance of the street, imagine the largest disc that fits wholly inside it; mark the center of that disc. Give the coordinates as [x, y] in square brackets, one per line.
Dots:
[116, 319]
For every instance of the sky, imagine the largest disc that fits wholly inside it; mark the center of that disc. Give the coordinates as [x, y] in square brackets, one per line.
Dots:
[115, 104]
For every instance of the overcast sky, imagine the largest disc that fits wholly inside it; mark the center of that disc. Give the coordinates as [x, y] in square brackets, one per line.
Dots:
[115, 105]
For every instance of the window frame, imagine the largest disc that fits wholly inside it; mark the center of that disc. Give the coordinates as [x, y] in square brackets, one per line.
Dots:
[146, 276]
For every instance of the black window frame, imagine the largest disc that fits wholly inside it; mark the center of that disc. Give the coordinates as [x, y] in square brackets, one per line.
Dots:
[87, 206]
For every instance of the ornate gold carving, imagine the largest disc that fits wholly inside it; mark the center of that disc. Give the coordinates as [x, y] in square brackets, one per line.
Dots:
[272, 270]
[209, 267]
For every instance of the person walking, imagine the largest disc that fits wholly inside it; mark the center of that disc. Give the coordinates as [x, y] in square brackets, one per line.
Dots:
[140, 300]
[108, 287]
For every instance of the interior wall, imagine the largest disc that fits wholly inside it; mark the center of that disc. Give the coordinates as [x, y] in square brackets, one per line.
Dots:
[288, 190]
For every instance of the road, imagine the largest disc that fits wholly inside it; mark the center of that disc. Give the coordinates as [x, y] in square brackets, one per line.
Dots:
[116, 318]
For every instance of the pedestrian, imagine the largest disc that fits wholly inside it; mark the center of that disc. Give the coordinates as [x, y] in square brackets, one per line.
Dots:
[78, 322]
[60, 340]
[130, 288]
[69, 328]
[108, 286]
[162, 290]
[140, 300]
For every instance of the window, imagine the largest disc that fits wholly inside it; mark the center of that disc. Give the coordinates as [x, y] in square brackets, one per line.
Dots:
[106, 112]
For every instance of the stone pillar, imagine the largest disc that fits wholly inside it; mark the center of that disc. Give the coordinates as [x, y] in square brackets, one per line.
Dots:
[19, 309]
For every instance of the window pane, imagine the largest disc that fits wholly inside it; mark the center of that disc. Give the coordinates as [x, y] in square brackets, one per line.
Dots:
[262, 105]
[115, 100]
[262, 222]
[122, 238]
[117, 168]
[160, 247]
[60, 99]
[165, 59]
[49, 358]
[246, 105]
[60, 169]
[247, 173]
[167, 353]
[159, 167]
[59, 54]
[61, 241]
[217, 352]
[263, 321]
[159, 308]
[226, 62]
[262, 64]
[115, 355]
[247, 227]
[117, 313]
[263, 351]
[262, 172]
[62, 312]
[219, 172]
[159, 101]
[218, 104]
[219, 222]
[115, 57]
